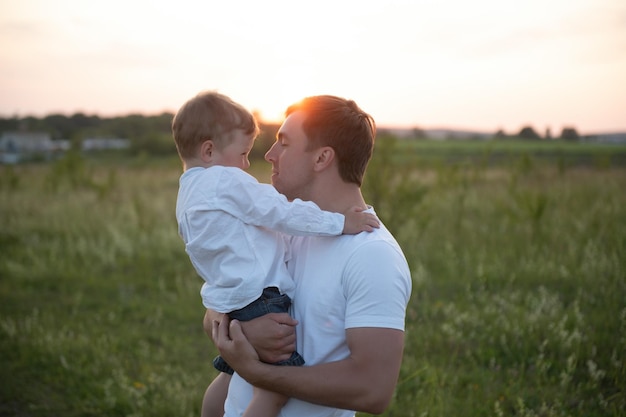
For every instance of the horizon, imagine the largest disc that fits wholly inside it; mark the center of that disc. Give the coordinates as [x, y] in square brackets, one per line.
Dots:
[482, 66]
[450, 128]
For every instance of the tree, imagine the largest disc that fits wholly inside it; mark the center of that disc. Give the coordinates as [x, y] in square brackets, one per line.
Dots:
[528, 132]
[418, 133]
[60, 126]
[569, 133]
[548, 133]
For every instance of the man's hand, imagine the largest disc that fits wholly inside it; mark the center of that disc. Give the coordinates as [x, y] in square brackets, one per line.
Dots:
[233, 345]
[273, 336]
[357, 221]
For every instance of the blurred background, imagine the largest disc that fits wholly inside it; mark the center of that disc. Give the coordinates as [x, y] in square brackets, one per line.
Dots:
[499, 167]
[484, 65]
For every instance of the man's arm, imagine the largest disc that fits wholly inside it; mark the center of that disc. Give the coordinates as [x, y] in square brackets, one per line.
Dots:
[364, 381]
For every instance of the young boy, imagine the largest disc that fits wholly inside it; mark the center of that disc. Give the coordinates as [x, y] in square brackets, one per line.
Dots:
[232, 225]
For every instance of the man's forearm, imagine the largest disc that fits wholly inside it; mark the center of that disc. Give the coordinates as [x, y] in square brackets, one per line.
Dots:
[335, 384]
[364, 381]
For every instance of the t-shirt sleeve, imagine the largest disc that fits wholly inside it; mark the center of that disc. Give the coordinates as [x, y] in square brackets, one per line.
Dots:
[254, 203]
[377, 285]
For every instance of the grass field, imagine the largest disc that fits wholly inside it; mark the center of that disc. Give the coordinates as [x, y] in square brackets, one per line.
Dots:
[518, 266]
[501, 152]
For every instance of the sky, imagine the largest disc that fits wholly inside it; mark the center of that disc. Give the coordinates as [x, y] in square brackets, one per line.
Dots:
[480, 65]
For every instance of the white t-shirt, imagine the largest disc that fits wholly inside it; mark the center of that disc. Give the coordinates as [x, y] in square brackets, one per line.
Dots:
[341, 282]
[230, 223]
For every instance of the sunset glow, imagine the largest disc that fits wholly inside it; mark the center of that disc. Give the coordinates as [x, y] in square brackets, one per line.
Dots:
[483, 65]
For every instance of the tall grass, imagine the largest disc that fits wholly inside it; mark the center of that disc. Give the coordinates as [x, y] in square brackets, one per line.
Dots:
[519, 302]
[518, 307]
[100, 309]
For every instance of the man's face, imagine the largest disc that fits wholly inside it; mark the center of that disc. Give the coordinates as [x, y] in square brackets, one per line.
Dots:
[292, 171]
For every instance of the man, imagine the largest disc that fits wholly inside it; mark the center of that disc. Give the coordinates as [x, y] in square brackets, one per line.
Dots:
[351, 291]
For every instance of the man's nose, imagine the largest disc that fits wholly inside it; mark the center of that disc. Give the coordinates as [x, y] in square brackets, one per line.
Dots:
[269, 154]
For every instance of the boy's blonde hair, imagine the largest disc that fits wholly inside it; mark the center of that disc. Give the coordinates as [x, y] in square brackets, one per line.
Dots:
[209, 116]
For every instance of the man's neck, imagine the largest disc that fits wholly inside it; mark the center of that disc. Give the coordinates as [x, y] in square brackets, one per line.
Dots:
[338, 197]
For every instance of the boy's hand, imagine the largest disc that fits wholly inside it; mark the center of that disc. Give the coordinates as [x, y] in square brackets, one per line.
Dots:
[358, 221]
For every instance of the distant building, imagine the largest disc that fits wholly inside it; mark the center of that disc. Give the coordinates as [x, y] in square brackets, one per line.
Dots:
[27, 146]
[101, 144]
[608, 138]
[433, 134]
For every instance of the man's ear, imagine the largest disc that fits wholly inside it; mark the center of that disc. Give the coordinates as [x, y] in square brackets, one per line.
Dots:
[324, 157]
[206, 150]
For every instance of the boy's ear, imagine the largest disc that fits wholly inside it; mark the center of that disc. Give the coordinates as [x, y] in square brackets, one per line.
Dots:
[323, 158]
[206, 150]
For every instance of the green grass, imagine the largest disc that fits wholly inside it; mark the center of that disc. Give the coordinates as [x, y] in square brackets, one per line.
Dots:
[508, 151]
[518, 305]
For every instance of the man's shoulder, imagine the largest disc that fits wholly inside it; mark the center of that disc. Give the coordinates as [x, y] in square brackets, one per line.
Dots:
[380, 237]
[363, 248]
[377, 249]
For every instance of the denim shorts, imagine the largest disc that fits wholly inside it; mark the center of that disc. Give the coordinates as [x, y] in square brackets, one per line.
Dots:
[271, 301]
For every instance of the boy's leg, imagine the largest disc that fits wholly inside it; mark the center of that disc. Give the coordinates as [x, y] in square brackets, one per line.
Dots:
[265, 404]
[215, 395]
[271, 301]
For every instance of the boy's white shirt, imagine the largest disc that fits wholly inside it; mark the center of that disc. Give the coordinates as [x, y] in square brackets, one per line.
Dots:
[233, 227]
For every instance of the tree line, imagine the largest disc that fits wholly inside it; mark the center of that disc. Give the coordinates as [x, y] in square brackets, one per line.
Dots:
[150, 134]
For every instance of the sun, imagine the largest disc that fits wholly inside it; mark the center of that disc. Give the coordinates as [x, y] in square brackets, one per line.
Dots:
[289, 84]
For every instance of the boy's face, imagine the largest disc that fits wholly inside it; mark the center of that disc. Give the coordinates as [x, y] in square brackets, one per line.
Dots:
[235, 154]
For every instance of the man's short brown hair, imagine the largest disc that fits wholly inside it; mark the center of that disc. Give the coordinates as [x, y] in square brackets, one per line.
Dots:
[342, 125]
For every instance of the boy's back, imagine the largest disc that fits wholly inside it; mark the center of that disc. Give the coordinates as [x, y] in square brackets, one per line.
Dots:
[236, 260]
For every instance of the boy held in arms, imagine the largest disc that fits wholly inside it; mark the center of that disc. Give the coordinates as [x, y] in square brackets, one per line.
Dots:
[232, 225]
